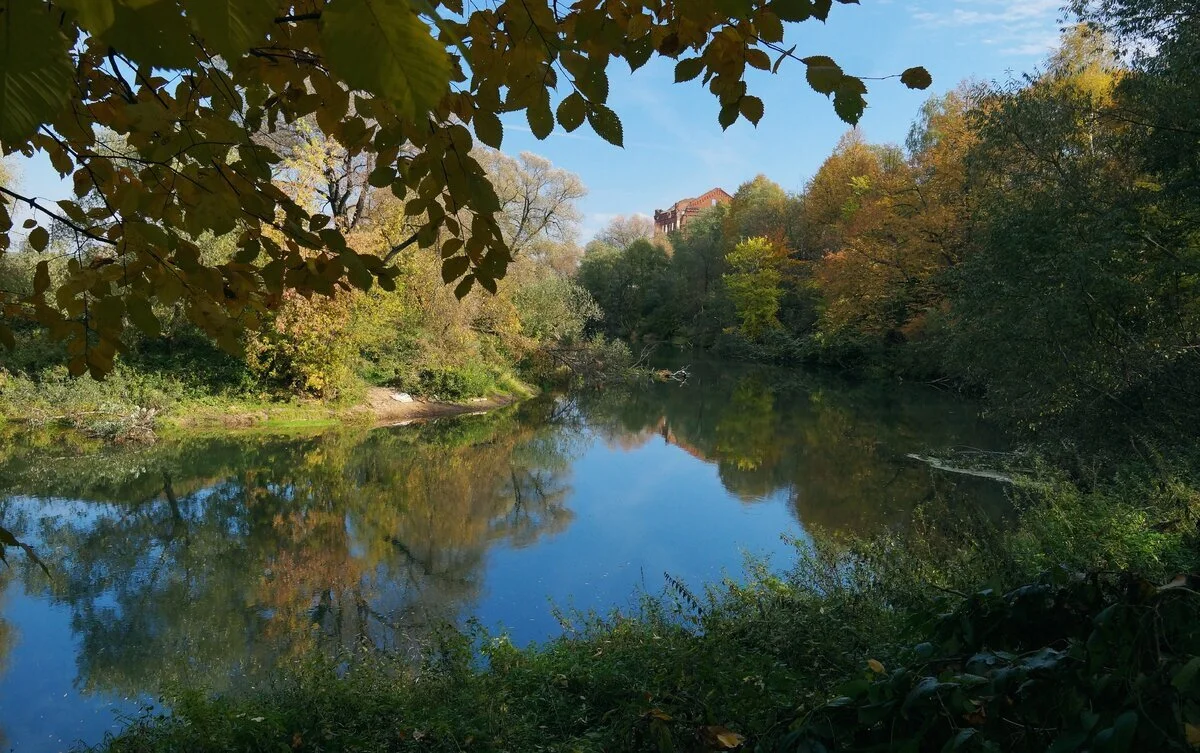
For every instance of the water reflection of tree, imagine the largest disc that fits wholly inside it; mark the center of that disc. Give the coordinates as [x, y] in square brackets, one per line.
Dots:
[835, 449]
[214, 559]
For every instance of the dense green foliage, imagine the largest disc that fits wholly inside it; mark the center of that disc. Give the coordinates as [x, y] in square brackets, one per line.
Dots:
[1034, 242]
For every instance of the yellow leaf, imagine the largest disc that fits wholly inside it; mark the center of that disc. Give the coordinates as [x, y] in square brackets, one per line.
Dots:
[730, 740]
[722, 738]
[1192, 733]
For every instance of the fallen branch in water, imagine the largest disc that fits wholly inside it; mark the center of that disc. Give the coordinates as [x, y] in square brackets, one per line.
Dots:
[666, 375]
[942, 465]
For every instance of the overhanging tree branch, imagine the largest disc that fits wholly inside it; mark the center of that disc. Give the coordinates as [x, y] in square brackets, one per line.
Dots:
[33, 204]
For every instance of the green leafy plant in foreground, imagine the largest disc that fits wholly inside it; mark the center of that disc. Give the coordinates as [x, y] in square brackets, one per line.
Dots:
[1097, 663]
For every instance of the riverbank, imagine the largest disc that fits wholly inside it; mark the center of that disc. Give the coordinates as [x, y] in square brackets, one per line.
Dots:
[1084, 639]
[133, 407]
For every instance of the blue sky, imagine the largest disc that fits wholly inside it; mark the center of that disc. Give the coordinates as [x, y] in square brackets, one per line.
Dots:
[674, 148]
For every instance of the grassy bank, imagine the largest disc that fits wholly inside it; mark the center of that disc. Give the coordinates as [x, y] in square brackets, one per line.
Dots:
[1064, 629]
[134, 404]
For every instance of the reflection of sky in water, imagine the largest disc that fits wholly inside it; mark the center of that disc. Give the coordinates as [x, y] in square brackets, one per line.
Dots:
[672, 480]
[40, 707]
[638, 514]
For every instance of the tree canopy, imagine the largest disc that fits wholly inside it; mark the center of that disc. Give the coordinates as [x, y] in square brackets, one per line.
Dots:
[400, 92]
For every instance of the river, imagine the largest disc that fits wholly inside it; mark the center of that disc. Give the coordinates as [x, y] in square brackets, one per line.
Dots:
[204, 563]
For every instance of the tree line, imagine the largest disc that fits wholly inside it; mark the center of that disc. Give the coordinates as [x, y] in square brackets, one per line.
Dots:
[1035, 241]
[415, 335]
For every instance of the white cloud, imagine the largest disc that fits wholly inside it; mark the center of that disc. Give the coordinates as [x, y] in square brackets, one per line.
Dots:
[1023, 28]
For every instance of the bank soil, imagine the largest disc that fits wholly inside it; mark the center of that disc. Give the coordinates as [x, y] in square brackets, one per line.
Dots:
[386, 409]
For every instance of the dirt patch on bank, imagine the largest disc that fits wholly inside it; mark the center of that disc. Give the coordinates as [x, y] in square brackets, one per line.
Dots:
[386, 409]
[380, 406]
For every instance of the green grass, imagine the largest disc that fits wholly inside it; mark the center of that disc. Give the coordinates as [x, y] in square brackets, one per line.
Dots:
[133, 404]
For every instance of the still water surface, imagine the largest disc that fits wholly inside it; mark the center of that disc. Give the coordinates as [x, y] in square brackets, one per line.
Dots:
[204, 563]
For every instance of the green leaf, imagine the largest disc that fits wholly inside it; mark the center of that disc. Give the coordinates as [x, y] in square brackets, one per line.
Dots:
[231, 27]
[792, 10]
[824, 75]
[916, 78]
[41, 277]
[35, 70]
[593, 82]
[734, 8]
[1123, 730]
[541, 120]
[464, 287]
[571, 111]
[959, 740]
[454, 267]
[751, 108]
[756, 58]
[1184, 677]
[770, 28]
[638, 53]
[606, 124]
[488, 128]
[93, 15]
[381, 46]
[39, 238]
[849, 104]
[356, 271]
[142, 316]
[157, 34]
[488, 283]
[728, 115]
[688, 68]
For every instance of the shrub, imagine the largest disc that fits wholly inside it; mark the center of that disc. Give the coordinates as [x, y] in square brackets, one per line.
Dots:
[454, 383]
[309, 348]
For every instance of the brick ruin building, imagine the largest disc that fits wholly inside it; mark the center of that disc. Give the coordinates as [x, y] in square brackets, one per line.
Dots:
[666, 220]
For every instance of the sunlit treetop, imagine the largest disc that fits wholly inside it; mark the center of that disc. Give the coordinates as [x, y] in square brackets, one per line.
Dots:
[190, 90]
